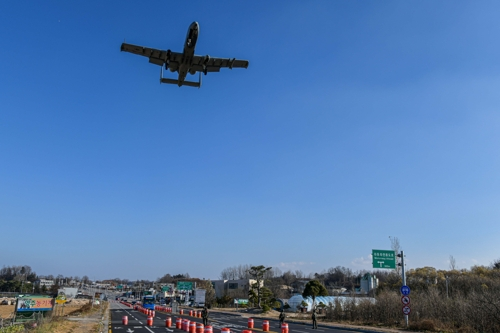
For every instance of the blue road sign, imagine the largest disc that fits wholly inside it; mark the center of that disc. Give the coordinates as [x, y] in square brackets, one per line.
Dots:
[405, 290]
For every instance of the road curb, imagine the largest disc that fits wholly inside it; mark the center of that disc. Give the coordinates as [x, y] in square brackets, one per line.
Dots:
[345, 328]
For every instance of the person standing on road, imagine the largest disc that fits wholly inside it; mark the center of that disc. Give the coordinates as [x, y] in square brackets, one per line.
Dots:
[204, 315]
[282, 317]
[315, 323]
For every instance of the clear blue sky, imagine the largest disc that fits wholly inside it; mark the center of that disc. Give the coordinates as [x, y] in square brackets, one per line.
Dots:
[355, 121]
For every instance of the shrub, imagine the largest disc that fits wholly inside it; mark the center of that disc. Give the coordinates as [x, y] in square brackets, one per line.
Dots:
[266, 308]
[423, 325]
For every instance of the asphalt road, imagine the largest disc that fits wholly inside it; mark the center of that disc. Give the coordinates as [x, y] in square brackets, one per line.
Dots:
[236, 323]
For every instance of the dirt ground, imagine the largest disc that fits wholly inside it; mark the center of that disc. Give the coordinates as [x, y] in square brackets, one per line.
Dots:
[6, 311]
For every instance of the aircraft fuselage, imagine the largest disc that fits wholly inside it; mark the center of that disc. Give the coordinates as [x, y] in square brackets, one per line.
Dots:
[189, 46]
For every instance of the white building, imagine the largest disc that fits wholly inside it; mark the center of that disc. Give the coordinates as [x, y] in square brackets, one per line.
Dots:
[368, 282]
[44, 282]
[226, 287]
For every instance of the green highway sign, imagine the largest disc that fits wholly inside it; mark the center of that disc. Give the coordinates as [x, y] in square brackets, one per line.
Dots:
[240, 301]
[184, 285]
[384, 259]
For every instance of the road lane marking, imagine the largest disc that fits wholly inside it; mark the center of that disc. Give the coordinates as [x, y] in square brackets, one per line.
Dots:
[148, 329]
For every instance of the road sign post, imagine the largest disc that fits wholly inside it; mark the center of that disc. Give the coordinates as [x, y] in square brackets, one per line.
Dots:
[405, 290]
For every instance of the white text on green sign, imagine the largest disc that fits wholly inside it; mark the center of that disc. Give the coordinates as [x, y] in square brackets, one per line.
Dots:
[384, 259]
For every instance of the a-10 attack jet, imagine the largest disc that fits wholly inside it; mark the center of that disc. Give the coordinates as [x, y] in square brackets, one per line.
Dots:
[185, 62]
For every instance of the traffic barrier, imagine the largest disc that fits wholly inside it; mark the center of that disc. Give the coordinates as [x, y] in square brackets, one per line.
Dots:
[178, 323]
[199, 314]
[125, 320]
[192, 327]
[225, 330]
[265, 325]
[208, 329]
[186, 325]
[190, 313]
[150, 321]
[284, 328]
[181, 311]
[153, 313]
[199, 328]
[168, 322]
[247, 331]
[250, 322]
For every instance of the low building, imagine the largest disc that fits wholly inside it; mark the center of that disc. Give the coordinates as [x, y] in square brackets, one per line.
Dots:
[44, 282]
[235, 287]
[368, 283]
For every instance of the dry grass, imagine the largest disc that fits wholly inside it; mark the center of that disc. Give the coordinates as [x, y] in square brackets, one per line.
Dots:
[65, 326]
[62, 325]
[6, 311]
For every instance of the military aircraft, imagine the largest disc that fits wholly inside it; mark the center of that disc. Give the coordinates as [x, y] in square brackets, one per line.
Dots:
[185, 62]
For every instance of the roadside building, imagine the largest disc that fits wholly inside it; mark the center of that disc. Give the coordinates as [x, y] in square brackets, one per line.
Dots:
[44, 282]
[233, 287]
[368, 282]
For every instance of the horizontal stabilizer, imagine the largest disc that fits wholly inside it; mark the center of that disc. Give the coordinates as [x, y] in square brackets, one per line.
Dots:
[184, 83]
[171, 81]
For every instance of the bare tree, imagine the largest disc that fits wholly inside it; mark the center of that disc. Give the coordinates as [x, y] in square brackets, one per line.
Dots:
[396, 247]
[299, 274]
[453, 263]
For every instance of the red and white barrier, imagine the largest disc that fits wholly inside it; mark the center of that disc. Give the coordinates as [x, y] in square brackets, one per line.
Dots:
[265, 325]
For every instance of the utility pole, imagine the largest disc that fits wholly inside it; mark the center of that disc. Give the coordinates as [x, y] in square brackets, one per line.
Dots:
[447, 296]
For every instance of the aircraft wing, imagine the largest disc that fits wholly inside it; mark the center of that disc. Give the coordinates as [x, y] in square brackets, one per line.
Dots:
[215, 64]
[157, 57]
